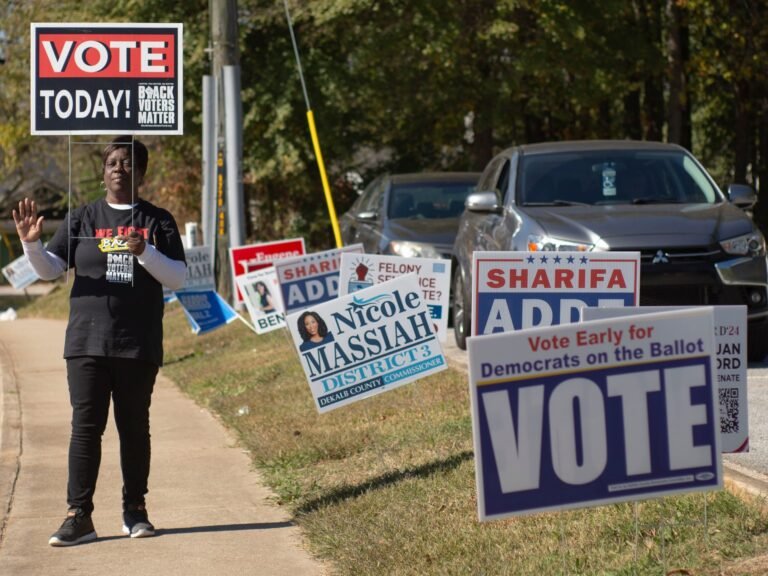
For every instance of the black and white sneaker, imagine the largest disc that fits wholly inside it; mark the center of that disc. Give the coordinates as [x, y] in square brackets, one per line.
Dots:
[76, 529]
[136, 523]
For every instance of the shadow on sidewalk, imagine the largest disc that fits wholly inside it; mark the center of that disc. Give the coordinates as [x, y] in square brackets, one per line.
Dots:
[199, 529]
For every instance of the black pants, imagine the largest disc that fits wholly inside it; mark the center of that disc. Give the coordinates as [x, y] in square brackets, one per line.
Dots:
[92, 381]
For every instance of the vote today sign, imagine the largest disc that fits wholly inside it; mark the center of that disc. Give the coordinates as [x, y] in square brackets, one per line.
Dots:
[106, 78]
[594, 413]
[730, 366]
[363, 271]
[363, 344]
[516, 290]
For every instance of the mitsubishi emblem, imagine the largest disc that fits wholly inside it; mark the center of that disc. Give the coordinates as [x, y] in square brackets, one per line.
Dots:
[661, 258]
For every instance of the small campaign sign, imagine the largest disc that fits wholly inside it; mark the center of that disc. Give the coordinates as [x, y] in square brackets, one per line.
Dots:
[516, 290]
[730, 366]
[244, 259]
[366, 343]
[263, 300]
[99, 78]
[205, 310]
[594, 413]
[20, 273]
[311, 279]
[434, 274]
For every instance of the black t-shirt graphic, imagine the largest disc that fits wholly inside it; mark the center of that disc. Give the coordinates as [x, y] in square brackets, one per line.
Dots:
[116, 307]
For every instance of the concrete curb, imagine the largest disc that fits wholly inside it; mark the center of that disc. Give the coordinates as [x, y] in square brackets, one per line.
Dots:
[10, 436]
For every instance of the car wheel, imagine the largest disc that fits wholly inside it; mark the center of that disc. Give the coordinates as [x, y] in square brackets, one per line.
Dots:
[757, 342]
[460, 312]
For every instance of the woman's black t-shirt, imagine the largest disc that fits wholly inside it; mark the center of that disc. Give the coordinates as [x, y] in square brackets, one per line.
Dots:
[116, 306]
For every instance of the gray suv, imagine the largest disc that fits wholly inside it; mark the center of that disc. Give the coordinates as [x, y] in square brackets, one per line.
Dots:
[697, 245]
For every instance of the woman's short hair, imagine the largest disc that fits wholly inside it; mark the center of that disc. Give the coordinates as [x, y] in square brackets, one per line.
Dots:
[322, 329]
[140, 152]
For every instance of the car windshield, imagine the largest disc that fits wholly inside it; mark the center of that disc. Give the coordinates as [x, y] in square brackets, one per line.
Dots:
[428, 200]
[613, 177]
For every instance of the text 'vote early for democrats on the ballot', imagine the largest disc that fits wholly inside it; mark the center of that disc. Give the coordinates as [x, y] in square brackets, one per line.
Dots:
[594, 413]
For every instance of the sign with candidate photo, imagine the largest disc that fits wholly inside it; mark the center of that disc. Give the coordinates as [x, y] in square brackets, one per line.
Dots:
[516, 290]
[262, 298]
[98, 78]
[360, 345]
[360, 271]
[20, 273]
[594, 413]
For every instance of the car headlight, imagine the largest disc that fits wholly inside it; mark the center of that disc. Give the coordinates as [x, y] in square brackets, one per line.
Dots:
[413, 250]
[537, 243]
[752, 244]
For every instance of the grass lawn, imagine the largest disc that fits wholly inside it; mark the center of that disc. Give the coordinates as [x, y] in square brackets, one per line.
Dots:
[386, 486]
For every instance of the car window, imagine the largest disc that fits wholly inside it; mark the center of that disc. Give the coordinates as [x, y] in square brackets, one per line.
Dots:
[429, 200]
[372, 197]
[487, 182]
[614, 177]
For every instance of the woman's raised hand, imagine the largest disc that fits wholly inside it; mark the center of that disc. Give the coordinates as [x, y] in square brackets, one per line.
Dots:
[28, 226]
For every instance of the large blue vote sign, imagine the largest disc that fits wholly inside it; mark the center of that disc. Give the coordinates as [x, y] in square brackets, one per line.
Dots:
[594, 413]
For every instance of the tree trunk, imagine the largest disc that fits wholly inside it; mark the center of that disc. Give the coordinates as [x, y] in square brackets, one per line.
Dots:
[633, 127]
[679, 111]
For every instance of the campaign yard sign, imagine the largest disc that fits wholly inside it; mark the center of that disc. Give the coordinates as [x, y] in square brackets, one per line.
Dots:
[311, 279]
[366, 343]
[516, 290]
[263, 300]
[594, 413]
[20, 273]
[205, 310]
[244, 259]
[106, 78]
[434, 274]
[730, 366]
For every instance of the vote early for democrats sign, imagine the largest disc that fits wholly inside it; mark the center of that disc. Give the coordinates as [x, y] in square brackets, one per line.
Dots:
[515, 290]
[730, 366]
[366, 343]
[359, 271]
[311, 279]
[594, 413]
[106, 78]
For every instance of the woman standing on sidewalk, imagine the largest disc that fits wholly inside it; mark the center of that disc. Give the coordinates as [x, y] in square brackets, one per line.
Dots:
[113, 346]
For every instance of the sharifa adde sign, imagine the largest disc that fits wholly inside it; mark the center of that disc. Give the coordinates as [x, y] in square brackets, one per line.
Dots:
[106, 78]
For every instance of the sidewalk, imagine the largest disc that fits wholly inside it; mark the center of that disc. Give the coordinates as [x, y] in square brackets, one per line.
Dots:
[212, 513]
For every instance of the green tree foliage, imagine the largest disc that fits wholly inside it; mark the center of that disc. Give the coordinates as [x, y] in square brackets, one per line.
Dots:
[412, 85]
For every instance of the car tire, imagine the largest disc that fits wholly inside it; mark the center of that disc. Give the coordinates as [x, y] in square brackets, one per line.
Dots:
[757, 342]
[460, 316]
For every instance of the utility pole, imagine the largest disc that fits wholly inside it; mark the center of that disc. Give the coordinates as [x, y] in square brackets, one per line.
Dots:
[226, 72]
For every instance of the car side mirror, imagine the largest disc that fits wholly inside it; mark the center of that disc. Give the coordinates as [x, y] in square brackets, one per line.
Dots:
[483, 202]
[742, 196]
[368, 216]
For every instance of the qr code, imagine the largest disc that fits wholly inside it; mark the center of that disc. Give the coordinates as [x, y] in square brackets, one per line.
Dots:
[729, 410]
